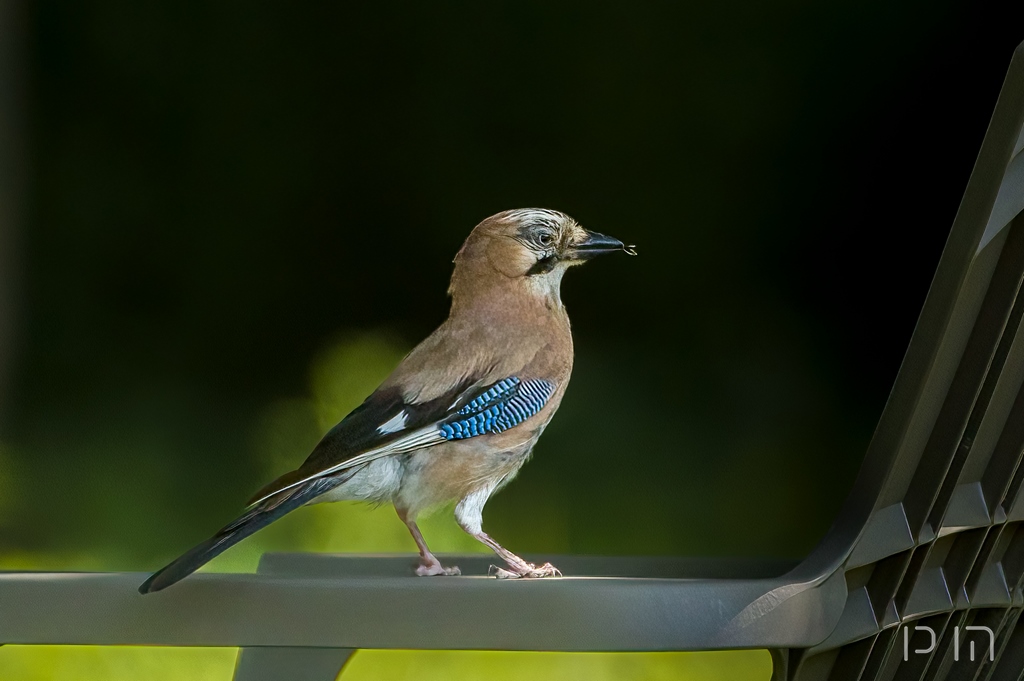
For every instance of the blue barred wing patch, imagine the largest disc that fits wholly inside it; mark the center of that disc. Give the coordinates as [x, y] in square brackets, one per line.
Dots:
[505, 404]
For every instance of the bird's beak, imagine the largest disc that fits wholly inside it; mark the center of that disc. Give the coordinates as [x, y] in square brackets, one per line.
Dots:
[596, 244]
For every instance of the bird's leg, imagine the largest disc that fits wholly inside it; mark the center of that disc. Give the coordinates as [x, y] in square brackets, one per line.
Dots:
[517, 566]
[429, 564]
[469, 515]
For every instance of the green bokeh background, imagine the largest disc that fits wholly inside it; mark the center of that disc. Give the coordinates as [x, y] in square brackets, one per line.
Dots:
[239, 217]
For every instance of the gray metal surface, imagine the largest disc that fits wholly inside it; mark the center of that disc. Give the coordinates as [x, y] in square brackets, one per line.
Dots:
[373, 602]
[293, 664]
[933, 531]
[929, 543]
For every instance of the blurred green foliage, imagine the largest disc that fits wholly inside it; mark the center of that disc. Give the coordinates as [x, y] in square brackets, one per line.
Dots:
[72, 663]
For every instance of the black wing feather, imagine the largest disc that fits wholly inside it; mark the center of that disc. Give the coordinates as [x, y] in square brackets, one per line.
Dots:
[359, 432]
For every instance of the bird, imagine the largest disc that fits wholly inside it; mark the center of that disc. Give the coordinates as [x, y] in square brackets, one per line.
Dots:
[460, 414]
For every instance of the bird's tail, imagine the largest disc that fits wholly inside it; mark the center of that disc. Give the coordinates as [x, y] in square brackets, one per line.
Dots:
[251, 521]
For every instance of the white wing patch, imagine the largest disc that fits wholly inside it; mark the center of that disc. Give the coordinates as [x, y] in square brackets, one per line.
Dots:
[394, 424]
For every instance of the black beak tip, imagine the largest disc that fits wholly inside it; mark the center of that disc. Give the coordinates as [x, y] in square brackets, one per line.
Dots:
[596, 244]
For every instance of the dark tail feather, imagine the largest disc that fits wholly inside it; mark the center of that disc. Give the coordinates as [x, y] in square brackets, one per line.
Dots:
[251, 522]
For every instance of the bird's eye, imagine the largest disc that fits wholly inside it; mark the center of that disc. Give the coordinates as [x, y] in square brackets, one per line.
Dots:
[545, 238]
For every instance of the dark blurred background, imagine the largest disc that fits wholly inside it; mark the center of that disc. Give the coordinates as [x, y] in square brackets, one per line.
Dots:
[221, 224]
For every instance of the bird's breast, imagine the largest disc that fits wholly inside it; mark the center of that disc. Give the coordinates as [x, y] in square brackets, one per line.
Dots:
[453, 470]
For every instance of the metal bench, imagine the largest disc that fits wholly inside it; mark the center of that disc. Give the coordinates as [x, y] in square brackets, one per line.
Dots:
[920, 577]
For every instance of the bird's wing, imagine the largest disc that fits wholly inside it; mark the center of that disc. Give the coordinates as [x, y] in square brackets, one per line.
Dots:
[385, 425]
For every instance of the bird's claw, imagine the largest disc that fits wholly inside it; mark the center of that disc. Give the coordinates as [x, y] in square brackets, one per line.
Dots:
[527, 571]
[437, 569]
[501, 573]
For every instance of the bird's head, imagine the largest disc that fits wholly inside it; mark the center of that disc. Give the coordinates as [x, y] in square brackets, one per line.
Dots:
[533, 246]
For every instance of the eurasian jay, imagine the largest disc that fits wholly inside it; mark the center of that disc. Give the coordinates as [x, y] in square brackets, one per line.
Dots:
[461, 413]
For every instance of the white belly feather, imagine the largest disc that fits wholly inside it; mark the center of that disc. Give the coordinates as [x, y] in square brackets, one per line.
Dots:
[376, 482]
